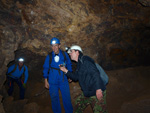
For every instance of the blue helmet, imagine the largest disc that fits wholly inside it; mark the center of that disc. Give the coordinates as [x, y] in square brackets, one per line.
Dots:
[55, 41]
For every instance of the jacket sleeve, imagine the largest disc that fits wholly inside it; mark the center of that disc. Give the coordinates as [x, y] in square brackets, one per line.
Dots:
[68, 63]
[46, 67]
[10, 69]
[73, 75]
[26, 75]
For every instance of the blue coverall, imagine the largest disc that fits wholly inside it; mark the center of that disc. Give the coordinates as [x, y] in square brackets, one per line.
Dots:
[16, 77]
[58, 81]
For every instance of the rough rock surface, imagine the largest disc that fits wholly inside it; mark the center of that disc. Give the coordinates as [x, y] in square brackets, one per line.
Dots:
[145, 3]
[1, 106]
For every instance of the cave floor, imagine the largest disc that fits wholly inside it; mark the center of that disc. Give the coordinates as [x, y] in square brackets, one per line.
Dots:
[127, 92]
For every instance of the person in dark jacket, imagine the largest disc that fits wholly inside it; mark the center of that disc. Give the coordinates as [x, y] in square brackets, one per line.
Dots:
[94, 90]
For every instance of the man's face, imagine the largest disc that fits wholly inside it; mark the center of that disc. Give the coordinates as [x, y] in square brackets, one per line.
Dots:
[73, 54]
[20, 64]
[55, 48]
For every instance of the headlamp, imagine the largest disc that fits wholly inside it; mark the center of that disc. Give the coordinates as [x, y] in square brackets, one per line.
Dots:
[67, 49]
[21, 60]
[54, 42]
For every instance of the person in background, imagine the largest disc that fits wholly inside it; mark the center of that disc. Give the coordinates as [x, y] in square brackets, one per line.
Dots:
[55, 79]
[94, 90]
[15, 73]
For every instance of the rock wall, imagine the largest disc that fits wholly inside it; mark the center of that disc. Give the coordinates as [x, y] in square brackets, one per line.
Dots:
[115, 33]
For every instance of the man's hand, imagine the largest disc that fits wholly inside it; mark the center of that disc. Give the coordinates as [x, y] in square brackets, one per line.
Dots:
[46, 84]
[99, 94]
[63, 68]
[69, 80]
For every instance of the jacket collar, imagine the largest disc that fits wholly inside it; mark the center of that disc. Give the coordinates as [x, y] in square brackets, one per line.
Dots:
[80, 58]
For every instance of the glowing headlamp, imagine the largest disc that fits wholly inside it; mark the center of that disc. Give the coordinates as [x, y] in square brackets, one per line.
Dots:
[21, 60]
[54, 42]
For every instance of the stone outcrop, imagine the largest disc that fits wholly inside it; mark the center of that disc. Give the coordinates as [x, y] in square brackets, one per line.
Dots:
[1, 106]
[145, 3]
[12, 106]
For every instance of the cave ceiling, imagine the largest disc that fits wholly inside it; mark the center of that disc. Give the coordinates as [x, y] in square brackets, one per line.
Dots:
[114, 33]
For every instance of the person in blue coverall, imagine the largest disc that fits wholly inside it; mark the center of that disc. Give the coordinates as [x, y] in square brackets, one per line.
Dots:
[55, 79]
[14, 74]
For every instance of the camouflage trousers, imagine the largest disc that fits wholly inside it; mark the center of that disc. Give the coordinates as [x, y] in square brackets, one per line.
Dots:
[98, 106]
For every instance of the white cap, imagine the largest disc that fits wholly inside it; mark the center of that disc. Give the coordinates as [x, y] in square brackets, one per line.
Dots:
[75, 47]
[21, 60]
